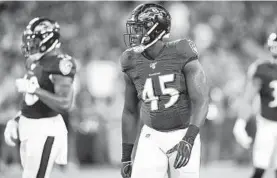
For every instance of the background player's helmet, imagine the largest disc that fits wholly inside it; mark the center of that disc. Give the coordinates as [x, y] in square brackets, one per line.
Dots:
[272, 44]
[148, 23]
[40, 36]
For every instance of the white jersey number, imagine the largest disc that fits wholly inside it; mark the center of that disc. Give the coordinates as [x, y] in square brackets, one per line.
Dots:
[149, 96]
[273, 85]
[31, 99]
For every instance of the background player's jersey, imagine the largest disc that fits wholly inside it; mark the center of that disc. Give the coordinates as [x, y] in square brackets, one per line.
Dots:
[266, 71]
[161, 85]
[40, 72]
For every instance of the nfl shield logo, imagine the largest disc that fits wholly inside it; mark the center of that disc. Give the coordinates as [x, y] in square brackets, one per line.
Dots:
[153, 65]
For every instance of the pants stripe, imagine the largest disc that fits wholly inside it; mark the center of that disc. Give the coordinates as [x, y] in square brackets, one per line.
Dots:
[45, 157]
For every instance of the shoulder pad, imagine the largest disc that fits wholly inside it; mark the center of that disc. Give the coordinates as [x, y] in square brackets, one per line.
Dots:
[187, 49]
[126, 61]
[67, 65]
[62, 64]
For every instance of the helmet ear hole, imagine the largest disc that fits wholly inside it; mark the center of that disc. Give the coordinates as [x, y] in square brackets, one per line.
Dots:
[149, 24]
[42, 48]
[147, 39]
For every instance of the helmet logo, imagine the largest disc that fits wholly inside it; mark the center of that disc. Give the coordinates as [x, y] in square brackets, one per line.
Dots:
[44, 27]
[149, 13]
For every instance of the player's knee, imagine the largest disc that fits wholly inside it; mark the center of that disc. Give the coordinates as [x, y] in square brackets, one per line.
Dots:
[258, 173]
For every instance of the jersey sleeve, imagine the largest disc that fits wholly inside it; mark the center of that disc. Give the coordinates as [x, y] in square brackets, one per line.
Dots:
[187, 50]
[254, 70]
[63, 65]
[126, 61]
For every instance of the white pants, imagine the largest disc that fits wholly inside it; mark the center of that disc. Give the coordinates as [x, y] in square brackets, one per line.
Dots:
[43, 143]
[265, 146]
[151, 160]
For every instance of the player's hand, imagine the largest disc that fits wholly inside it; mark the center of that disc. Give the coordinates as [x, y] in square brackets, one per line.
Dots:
[26, 86]
[126, 169]
[21, 85]
[241, 135]
[10, 133]
[138, 49]
[183, 149]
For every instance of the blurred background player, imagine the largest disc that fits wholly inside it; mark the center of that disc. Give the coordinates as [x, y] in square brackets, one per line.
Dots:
[261, 81]
[47, 93]
[170, 82]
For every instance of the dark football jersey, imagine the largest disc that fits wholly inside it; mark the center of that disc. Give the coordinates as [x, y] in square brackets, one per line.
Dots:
[266, 71]
[160, 84]
[40, 72]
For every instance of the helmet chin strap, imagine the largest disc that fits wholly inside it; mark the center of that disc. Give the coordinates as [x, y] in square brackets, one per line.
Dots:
[141, 48]
[146, 36]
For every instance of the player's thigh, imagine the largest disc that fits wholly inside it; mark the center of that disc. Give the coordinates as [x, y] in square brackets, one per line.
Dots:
[192, 169]
[274, 155]
[263, 147]
[150, 161]
[58, 154]
[35, 155]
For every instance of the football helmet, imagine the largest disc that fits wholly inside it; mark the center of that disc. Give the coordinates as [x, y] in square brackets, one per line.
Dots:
[40, 36]
[148, 23]
[272, 43]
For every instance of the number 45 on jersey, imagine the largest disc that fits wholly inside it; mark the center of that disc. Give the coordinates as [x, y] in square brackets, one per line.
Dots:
[148, 93]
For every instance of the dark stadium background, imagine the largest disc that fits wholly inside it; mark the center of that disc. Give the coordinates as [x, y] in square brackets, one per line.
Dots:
[229, 36]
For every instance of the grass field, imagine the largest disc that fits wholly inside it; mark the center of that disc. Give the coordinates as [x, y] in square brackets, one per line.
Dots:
[216, 170]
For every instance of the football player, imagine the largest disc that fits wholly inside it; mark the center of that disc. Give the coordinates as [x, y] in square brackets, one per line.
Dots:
[170, 83]
[261, 82]
[47, 92]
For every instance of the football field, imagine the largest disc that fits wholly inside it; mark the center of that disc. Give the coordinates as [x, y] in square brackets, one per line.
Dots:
[216, 170]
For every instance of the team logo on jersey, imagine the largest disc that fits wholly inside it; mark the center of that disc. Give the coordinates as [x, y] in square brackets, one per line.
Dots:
[65, 66]
[153, 65]
[193, 46]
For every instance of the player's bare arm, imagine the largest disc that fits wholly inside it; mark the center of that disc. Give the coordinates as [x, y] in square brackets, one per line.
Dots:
[129, 125]
[61, 100]
[251, 90]
[252, 87]
[198, 91]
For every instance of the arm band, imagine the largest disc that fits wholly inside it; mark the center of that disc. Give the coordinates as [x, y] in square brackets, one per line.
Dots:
[126, 152]
[191, 134]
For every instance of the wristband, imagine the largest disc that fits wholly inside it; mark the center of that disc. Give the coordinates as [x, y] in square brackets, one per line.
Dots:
[191, 134]
[127, 149]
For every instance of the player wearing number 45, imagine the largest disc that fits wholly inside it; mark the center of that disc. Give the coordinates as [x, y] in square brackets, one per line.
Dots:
[169, 80]
[47, 90]
[262, 81]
